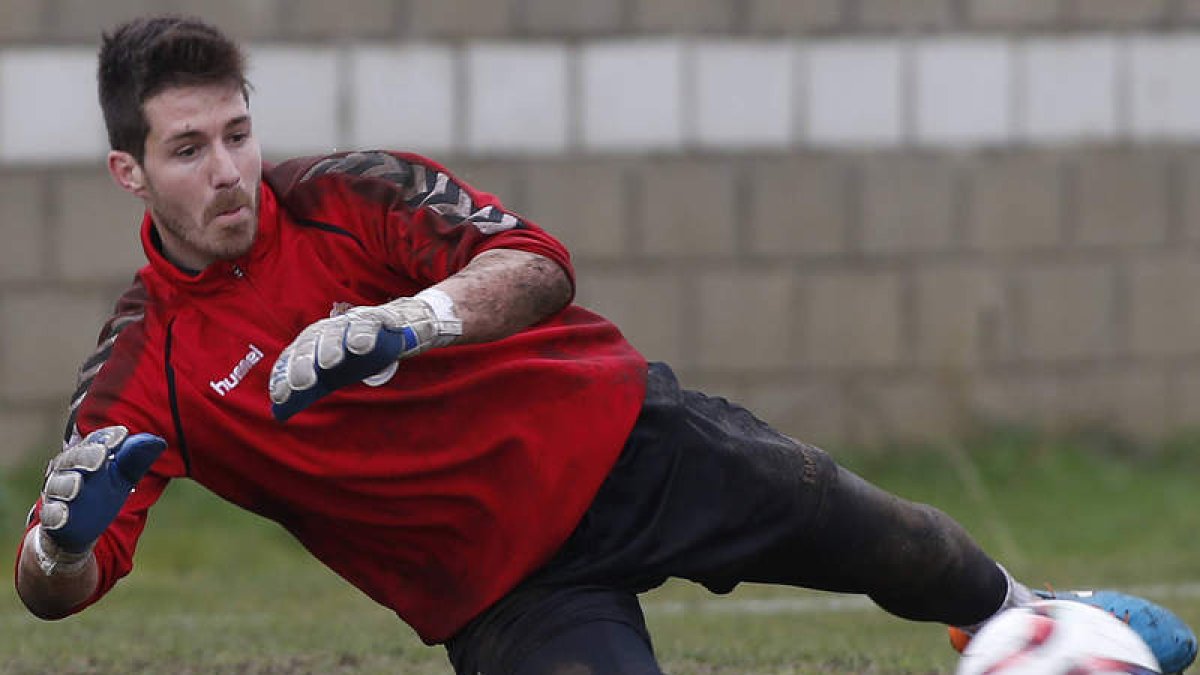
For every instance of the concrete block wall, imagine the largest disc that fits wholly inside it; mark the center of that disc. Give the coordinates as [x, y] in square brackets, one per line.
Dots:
[865, 219]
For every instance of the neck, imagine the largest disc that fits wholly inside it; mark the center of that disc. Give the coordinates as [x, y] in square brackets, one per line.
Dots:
[191, 265]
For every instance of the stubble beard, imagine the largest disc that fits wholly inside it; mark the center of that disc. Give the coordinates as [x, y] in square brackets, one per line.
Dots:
[225, 242]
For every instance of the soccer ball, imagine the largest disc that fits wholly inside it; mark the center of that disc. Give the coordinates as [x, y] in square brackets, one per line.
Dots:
[1057, 637]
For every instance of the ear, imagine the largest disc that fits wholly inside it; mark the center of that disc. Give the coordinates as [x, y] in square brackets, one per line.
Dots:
[127, 173]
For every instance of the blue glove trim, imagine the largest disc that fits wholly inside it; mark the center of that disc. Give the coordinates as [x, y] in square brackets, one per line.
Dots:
[104, 492]
[390, 345]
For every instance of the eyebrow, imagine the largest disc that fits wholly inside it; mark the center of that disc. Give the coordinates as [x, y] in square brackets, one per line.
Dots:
[193, 133]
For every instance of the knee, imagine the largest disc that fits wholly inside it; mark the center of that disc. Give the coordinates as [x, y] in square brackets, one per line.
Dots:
[930, 547]
[941, 537]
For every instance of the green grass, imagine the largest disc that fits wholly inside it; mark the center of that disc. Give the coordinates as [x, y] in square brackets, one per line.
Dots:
[218, 591]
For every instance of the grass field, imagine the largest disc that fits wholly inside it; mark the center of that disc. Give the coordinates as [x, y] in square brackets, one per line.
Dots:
[217, 591]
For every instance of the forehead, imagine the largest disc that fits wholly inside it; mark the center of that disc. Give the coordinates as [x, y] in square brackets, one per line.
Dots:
[193, 108]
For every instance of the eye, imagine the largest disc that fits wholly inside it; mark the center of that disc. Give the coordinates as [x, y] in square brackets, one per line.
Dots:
[239, 137]
[186, 151]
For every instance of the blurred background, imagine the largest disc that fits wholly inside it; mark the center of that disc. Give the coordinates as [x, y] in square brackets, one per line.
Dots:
[868, 220]
[961, 232]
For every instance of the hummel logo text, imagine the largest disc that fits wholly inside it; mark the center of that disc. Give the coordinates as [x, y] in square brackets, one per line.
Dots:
[239, 371]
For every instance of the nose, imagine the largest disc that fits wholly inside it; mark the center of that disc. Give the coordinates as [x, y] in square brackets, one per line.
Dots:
[223, 169]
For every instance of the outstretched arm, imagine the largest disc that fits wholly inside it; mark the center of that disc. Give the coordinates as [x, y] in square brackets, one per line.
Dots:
[85, 489]
[497, 294]
[53, 594]
[502, 291]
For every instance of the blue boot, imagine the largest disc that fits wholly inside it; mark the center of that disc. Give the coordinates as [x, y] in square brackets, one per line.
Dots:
[1173, 643]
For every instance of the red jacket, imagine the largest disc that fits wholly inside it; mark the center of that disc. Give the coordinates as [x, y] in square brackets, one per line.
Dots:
[434, 493]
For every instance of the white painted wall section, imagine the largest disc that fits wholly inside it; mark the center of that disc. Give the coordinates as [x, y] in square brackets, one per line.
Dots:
[855, 93]
[1068, 90]
[49, 111]
[744, 94]
[963, 89]
[404, 97]
[517, 98]
[295, 99]
[632, 95]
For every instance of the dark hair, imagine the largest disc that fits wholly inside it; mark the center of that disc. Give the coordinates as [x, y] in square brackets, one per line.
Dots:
[146, 56]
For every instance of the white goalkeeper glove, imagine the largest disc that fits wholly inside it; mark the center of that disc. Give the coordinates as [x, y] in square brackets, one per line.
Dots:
[363, 342]
[86, 486]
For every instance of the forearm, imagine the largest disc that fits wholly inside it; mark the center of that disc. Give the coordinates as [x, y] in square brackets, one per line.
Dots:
[498, 293]
[53, 596]
[502, 291]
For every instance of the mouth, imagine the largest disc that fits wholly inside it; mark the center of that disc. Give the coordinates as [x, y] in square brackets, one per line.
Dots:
[236, 213]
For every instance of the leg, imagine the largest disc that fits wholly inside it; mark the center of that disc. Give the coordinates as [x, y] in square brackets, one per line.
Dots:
[912, 559]
[557, 630]
[707, 492]
[595, 648]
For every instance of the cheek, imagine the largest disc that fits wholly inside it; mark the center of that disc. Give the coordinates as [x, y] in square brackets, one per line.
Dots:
[252, 168]
[177, 189]
[185, 198]
[185, 201]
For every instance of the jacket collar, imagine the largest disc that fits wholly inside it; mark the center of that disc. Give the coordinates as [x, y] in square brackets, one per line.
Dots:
[219, 273]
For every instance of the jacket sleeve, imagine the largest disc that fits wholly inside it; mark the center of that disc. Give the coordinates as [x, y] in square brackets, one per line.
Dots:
[423, 220]
[114, 550]
[119, 384]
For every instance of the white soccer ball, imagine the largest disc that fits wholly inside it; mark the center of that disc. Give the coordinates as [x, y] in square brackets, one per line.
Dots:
[1057, 637]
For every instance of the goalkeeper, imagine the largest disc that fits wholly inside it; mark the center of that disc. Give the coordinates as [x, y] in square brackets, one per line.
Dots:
[387, 362]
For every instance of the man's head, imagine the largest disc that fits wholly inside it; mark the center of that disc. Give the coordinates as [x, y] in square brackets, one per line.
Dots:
[175, 101]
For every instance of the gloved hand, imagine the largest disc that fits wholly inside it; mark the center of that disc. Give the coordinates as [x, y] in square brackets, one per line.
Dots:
[355, 346]
[86, 486]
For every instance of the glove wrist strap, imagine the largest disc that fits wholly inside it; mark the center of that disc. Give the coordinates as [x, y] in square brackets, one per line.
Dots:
[51, 559]
[449, 326]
